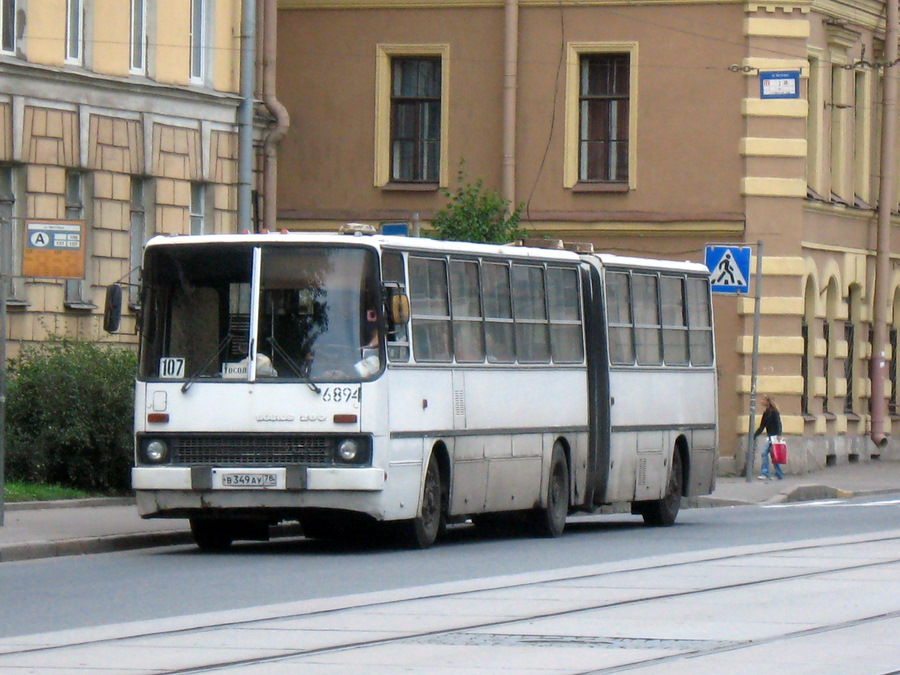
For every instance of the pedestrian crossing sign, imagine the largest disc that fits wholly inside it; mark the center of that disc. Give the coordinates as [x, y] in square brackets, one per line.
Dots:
[729, 268]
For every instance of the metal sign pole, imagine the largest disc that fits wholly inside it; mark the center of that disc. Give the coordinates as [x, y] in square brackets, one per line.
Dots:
[751, 450]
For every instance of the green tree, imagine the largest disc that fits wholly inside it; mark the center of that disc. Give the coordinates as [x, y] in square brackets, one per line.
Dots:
[70, 411]
[475, 213]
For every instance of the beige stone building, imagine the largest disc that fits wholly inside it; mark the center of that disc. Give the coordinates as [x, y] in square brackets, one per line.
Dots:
[118, 120]
[644, 128]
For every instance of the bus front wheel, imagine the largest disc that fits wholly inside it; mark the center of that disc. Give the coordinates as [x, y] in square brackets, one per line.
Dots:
[550, 520]
[423, 530]
[662, 512]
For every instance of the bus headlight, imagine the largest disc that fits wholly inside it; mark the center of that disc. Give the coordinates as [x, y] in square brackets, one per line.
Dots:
[348, 450]
[156, 452]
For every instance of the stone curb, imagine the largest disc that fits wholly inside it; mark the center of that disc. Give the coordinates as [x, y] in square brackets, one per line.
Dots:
[69, 503]
[113, 543]
[109, 544]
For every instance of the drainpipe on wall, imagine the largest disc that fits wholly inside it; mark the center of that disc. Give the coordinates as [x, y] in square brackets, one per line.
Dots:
[510, 84]
[245, 116]
[279, 112]
[886, 201]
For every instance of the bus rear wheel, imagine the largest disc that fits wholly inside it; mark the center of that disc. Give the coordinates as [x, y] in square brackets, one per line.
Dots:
[422, 531]
[212, 534]
[662, 512]
[550, 520]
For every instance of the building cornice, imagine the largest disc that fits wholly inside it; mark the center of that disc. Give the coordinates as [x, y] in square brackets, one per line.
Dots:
[494, 4]
[86, 88]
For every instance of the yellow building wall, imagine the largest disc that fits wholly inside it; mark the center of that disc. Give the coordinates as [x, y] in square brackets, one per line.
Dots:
[173, 42]
[45, 32]
[112, 32]
[227, 46]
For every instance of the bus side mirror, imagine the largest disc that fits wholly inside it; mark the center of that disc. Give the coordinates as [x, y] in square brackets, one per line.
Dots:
[399, 309]
[112, 308]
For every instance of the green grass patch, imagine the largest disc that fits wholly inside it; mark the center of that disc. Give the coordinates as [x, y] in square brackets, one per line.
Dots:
[38, 492]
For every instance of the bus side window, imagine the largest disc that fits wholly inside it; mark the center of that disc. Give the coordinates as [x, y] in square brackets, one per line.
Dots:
[530, 312]
[430, 307]
[566, 337]
[468, 335]
[393, 273]
[498, 327]
[618, 316]
[647, 328]
[675, 342]
[699, 322]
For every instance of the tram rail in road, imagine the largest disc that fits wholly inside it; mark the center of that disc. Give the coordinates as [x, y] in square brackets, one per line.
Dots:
[828, 605]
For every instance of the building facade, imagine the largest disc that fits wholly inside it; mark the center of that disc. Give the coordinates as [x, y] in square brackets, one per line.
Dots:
[118, 120]
[642, 128]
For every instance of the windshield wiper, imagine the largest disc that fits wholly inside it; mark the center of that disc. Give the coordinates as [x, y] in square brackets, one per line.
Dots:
[298, 370]
[196, 375]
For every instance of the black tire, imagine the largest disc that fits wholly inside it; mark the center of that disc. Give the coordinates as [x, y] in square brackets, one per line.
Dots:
[550, 520]
[423, 530]
[662, 512]
[212, 534]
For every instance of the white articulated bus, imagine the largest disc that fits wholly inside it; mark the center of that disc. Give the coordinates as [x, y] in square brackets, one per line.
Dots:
[404, 384]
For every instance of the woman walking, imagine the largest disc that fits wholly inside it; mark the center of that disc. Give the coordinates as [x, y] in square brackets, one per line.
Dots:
[771, 424]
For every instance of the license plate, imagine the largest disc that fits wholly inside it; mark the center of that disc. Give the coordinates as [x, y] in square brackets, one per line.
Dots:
[248, 480]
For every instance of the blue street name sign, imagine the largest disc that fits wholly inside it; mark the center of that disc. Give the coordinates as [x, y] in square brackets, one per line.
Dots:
[779, 84]
[729, 268]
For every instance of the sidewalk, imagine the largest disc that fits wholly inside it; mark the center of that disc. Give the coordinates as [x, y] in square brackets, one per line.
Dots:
[48, 529]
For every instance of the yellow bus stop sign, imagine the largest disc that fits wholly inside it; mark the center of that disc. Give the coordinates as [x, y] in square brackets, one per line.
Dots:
[54, 248]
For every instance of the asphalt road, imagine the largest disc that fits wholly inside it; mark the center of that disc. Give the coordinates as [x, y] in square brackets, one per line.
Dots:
[61, 593]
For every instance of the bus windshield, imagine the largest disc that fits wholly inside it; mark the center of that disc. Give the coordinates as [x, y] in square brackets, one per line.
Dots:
[318, 313]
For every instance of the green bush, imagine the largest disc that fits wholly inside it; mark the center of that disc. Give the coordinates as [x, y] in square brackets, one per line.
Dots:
[69, 415]
[477, 214]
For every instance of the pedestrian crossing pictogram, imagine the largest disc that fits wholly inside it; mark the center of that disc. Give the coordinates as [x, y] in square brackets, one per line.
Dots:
[729, 268]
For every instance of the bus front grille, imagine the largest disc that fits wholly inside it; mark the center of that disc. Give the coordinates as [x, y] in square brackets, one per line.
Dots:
[252, 450]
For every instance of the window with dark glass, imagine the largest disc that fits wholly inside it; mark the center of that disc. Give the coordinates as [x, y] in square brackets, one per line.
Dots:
[138, 36]
[74, 28]
[7, 25]
[468, 335]
[604, 109]
[430, 309]
[892, 370]
[850, 339]
[415, 119]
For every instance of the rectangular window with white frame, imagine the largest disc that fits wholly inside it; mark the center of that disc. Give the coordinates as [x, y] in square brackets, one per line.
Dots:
[7, 26]
[139, 233]
[198, 40]
[601, 95]
[76, 190]
[411, 116]
[10, 232]
[74, 31]
[138, 63]
[198, 208]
